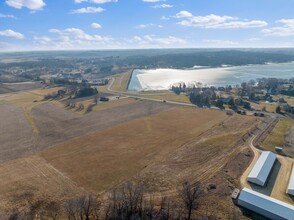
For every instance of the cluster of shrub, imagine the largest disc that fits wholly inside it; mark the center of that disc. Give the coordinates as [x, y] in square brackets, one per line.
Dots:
[75, 92]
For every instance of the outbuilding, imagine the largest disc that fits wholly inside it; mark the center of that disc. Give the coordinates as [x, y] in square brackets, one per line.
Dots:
[262, 168]
[290, 190]
[265, 205]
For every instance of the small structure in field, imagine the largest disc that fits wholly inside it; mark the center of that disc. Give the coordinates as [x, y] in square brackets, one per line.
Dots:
[235, 193]
[265, 205]
[262, 168]
[290, 190]
[278, 149]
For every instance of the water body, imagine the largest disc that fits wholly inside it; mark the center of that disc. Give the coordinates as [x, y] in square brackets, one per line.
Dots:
[162, 79]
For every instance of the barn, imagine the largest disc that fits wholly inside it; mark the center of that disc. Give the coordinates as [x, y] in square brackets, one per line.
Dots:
[265, 205]
[290, 190]
[262, 168]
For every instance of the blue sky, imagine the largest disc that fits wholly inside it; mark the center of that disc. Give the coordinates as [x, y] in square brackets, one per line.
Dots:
[127, 24]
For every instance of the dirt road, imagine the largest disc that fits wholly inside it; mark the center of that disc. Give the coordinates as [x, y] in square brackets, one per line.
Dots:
[279, 178]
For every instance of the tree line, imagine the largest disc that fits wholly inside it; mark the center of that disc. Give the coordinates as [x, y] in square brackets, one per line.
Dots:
[127, 201]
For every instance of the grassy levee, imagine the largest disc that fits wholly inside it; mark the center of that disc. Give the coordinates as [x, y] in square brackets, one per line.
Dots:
[121, 82]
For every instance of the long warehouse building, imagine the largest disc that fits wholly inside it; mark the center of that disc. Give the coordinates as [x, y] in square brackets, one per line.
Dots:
[290, 190]
[262, 168]
[265, 205]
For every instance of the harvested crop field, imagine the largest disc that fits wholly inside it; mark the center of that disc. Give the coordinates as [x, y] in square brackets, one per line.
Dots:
[117, 154]
[15, 87]
[27, 180]
[61, 153]
[58, 124]
[15, 131]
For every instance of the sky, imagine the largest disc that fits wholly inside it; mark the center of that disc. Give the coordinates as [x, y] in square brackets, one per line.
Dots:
[134, 24]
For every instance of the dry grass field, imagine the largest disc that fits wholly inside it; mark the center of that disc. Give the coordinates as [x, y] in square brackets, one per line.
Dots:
[15, 87]
[57, 153]
[58, 124]
[30, 179]
[118, 153]
[121, 82]
[164, 95]
[15, 131]
[278, 136]
[204, 147]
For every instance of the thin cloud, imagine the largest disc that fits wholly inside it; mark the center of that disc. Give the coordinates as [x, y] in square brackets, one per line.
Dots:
[30, 4]
[96, 1]
[152, 40]
[96, 25]
[221, 42]
[163, 6]
[216, 22]
[287, 29]
[72, 38]
[6, 16]
[142, 26]
[88, 10]
[184, 14]
[153, 1]
[12, 34]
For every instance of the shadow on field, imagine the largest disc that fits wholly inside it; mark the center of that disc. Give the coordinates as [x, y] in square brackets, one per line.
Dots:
[272, 178]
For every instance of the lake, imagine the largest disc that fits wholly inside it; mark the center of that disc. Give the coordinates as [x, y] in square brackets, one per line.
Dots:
[163, 79]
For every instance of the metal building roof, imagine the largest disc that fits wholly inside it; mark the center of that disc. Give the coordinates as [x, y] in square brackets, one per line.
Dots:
[291, 184]
[265, 205]
[262, 168]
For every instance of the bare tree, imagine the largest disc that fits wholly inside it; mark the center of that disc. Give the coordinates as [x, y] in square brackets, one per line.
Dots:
[83, 208]
[190, 194]
[126, 202]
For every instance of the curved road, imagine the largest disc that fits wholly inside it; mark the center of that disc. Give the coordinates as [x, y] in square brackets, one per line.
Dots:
[279, 178]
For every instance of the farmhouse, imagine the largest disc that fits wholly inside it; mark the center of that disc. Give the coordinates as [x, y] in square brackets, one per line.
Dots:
[290, 190]
[262, 168]
[265, 205]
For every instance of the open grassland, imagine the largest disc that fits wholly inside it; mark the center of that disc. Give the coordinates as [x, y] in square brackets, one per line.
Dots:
[27, 100]
[288, 99]
[58, 124]
[96, 107]
[199, 159]
[165, 95]
[158, 143]
[278, 135]
[15, 131]
[30, 179]
[118, 153]
[205, 146]
[269, 107]
[15, 87]
[28, 127]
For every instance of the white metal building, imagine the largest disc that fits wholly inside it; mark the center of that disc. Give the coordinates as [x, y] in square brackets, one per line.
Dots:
[265, 205]
[262, 168]
[291, 184]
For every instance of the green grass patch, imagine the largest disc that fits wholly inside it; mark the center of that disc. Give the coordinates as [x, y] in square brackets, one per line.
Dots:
[277, 136]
